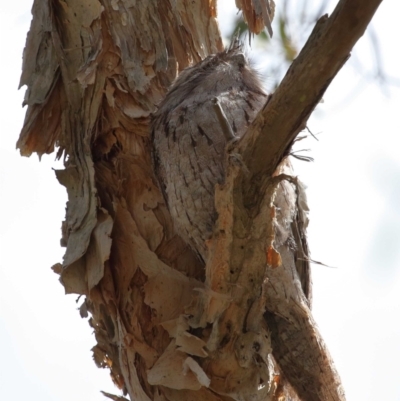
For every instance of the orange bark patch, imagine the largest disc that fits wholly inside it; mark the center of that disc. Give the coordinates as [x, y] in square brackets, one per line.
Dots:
[273, 257]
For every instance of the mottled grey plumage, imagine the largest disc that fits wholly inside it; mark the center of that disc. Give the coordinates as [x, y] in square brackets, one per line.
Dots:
[189, 141]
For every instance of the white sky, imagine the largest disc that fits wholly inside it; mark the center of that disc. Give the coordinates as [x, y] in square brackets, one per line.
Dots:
[354, 195]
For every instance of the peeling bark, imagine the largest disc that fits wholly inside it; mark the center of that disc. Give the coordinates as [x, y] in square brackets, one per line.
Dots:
[165, 326]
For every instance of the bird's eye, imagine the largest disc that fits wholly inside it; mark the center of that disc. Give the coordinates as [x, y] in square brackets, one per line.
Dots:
[239, 60]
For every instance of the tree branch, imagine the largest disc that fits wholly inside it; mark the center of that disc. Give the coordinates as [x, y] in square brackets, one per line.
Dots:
[249, 258]
[272, 133]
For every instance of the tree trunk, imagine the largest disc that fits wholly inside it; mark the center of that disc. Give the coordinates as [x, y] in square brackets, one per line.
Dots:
[166, 326]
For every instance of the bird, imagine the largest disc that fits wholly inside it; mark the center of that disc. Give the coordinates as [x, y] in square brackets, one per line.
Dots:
[189, 141]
